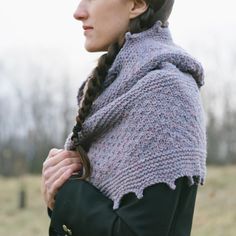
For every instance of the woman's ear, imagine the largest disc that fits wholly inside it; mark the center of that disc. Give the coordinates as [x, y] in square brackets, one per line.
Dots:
[137, 7]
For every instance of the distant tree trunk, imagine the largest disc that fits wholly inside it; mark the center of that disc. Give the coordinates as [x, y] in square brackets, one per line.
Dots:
[22, 194]
[66, 108]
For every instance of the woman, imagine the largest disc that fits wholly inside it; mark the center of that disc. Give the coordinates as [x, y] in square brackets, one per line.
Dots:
[139, 143]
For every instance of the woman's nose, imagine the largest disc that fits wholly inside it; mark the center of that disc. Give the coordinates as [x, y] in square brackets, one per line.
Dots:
[80, 13]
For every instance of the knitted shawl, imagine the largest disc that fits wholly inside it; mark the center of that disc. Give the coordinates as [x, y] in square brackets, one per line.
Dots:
[148, 125]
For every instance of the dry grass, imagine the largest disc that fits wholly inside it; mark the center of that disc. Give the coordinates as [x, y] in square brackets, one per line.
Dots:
[32, 221]
[215, 211]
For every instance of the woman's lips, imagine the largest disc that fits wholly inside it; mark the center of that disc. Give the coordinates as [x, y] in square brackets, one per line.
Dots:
[87, 27]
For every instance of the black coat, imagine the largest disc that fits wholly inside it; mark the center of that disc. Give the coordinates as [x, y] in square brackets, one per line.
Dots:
[82, 210]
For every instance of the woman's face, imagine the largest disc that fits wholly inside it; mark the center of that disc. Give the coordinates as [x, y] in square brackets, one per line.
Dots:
[108, 19]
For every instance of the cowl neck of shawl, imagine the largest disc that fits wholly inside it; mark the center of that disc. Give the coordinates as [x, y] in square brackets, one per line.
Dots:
[150, 49]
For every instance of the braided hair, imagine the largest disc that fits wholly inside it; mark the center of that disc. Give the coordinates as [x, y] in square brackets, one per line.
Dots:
[92, 87]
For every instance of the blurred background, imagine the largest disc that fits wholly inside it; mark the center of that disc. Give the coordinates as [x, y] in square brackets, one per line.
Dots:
[42, 64]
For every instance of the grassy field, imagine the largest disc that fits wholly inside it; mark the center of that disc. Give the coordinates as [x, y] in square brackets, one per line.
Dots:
[215, 211]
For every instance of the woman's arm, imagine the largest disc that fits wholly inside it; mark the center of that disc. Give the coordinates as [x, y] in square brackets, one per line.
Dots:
[82, 210]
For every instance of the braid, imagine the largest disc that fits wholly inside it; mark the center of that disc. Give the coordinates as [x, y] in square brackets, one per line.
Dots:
[88, 92]
[93, 86]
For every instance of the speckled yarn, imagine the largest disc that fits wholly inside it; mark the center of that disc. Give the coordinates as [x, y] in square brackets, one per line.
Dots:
[148, 125]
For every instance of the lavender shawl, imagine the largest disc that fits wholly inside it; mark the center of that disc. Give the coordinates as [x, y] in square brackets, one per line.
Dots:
[148, 125]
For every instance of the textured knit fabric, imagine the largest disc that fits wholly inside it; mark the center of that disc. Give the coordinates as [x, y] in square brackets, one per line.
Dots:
[148, 125]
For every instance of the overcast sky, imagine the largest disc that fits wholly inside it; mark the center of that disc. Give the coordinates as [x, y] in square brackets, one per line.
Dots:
[47, 30]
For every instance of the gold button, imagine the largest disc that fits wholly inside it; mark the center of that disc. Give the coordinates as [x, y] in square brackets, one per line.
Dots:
[69, 232]
[64, 228]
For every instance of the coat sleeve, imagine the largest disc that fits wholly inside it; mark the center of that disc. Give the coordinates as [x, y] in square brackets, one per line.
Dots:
[82, 210]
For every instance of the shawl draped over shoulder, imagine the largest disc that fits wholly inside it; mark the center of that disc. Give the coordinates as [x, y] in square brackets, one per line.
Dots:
[148, 125]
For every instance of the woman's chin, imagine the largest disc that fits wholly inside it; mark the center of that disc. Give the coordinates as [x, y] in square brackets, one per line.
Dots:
[94, 48]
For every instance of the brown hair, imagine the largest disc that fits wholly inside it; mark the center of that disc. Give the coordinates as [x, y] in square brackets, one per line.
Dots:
[93, 86]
